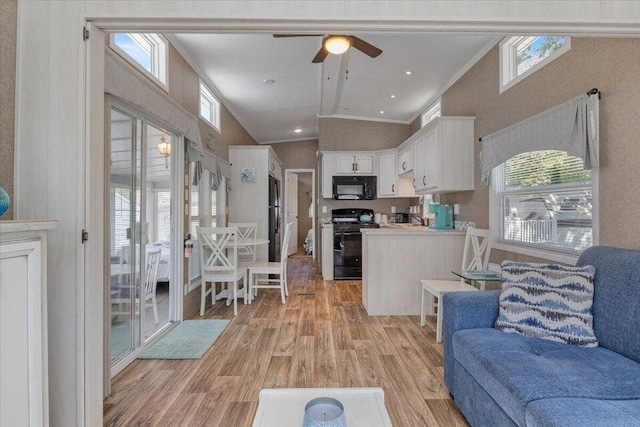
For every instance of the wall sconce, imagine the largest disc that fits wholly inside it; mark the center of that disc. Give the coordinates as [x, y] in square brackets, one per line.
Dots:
[164, 147]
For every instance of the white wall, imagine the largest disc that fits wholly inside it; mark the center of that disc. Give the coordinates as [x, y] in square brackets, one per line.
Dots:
[50, 137]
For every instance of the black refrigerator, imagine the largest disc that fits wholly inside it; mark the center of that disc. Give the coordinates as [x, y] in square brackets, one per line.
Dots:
[274, 220]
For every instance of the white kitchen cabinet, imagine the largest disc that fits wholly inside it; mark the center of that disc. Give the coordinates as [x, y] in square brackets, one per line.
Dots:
[405, 160]
[419, 165]
[275, 168]
[354, 164]
[364, 164]
[346, 165]
[387, 176]
[24, 386]
[326, 238]
[444, 156]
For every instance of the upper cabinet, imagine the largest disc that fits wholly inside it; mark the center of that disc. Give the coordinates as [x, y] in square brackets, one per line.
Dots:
[387, 176]
[405, 160]
[443, 156]
[275, 167]
[354, 164]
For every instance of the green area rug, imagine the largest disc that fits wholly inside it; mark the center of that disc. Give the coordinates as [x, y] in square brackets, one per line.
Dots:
[189, 340]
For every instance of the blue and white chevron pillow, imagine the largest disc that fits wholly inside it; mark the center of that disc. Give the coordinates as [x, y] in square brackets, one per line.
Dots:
[548, 301]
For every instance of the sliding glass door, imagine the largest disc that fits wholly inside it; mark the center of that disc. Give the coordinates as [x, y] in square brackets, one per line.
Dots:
[142, 229]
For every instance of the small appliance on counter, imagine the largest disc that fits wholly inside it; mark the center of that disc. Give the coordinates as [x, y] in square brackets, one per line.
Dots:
[403, 218]
[444, 216]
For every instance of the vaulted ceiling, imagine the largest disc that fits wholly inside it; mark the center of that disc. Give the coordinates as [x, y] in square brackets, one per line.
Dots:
[242, 66]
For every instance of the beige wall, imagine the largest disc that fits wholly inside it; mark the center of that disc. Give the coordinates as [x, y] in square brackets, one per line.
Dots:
[611, 65]
[297, 154]
[304, 198]
[8, 21]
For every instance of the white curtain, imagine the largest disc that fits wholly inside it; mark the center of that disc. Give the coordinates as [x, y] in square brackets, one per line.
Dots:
[570, 127]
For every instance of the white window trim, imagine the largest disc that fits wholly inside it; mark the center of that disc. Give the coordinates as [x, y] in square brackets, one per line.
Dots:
[560, 256]
[430, 113]
[207, 93]
[159, 57]
[508, 72]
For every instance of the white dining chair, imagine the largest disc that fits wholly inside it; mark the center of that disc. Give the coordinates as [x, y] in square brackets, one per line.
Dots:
[269, 268]
[477, 249]
[219, 263]
[246, 230]
[151, 282]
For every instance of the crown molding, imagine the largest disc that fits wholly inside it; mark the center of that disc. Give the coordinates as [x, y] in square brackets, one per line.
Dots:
[289, 140]
[366, 119]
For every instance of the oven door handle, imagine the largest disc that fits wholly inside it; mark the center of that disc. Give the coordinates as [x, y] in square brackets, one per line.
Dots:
[350, 234]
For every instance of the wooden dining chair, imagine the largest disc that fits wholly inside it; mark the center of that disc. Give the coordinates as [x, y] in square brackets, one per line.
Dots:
[219, 263]
[151, 282]
[268, 268]
[246, 230]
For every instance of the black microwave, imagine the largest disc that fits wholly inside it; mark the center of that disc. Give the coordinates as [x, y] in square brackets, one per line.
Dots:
[354, 187]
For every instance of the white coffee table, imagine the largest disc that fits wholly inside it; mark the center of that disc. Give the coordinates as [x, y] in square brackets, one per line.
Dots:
[284, 407]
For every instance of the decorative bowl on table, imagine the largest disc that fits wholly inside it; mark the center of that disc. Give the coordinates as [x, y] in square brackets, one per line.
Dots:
[324, 412]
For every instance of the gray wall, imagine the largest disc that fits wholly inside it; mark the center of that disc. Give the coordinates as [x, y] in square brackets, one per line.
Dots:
[8, 22]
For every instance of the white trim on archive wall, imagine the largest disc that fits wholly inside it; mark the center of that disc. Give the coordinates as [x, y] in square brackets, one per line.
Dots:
[110, 17]
[313, 197]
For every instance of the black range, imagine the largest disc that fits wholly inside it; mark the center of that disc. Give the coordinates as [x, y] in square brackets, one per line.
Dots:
[347, 242]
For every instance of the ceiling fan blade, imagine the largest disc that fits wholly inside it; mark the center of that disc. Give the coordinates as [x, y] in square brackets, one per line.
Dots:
[320, 56]
[364, 47]
[279, 36]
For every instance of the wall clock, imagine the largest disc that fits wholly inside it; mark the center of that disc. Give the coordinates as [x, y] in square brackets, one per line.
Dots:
[248, 175]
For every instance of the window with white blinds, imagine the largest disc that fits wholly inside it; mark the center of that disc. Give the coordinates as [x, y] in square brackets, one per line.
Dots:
[543, 199]
[163, 215]
[121, 211]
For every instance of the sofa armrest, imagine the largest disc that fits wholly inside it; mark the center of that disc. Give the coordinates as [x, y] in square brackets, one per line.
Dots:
[465, 310]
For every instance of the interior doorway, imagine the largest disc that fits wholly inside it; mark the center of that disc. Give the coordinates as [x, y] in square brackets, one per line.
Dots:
[300, 209]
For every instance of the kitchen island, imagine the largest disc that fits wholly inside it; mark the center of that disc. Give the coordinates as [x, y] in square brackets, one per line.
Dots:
[396, 258]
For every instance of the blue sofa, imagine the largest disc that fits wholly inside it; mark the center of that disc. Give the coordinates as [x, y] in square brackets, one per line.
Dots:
[501, 379]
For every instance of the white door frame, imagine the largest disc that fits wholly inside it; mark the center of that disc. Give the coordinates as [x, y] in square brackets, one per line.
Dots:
[313, 200]
[90, 324]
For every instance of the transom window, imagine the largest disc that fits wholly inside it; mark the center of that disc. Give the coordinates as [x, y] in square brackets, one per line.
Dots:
[521, 56]
[431, 113]
[147, 52]
[543, 199]
[209, 106]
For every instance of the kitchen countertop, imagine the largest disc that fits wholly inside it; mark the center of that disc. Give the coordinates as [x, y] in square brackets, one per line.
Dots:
[404, 229]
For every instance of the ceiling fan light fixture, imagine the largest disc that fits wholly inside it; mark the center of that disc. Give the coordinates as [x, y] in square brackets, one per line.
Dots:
[337, 44]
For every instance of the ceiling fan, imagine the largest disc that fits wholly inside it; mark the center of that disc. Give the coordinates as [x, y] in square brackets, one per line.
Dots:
[337, 44]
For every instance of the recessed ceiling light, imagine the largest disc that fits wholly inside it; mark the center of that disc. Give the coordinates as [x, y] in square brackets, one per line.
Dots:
[393, 96]
[408, 73]
[269, 81]
[381, 112]
[297, 130]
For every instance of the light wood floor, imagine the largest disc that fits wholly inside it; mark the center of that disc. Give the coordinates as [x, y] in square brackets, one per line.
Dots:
[322, 337]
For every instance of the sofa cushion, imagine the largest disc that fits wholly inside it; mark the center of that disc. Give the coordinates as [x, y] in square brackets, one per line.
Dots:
[583, 412]
[616, 303]
[516, 370]
[548, 301]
